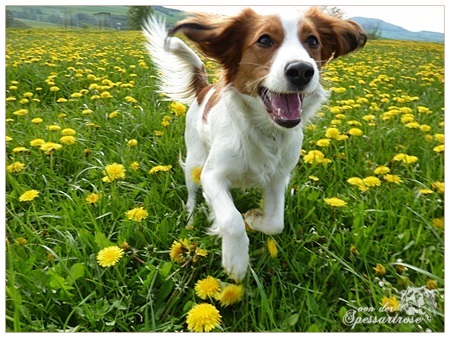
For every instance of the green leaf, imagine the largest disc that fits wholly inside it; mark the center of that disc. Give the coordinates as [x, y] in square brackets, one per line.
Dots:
[313, 328]
[165, 270]
[342, 312]
[76, 271]
[101, 240]
[165, 290]
[291, 320]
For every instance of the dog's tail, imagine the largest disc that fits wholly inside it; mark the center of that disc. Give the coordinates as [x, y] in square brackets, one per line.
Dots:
[181, 72]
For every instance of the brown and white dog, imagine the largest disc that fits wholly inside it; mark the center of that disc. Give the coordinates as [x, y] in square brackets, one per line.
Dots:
[246, 130]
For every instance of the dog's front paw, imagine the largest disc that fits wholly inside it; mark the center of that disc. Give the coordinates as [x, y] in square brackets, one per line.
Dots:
[256, 220]
[235, 257]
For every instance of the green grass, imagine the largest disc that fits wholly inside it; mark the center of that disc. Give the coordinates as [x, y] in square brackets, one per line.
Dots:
[54, 282]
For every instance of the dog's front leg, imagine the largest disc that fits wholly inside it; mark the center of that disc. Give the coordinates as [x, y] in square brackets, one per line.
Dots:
[270, 220]
[228, 224]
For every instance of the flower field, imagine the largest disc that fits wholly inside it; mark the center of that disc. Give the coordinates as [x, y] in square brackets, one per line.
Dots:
[95, 222]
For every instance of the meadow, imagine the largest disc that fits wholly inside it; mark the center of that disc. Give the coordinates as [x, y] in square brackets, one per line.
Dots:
[95, 222]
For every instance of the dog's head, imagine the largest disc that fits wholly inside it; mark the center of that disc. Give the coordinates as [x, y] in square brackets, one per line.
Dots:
[275, 58]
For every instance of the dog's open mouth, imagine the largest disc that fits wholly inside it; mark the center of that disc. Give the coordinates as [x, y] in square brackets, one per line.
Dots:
[284, 109]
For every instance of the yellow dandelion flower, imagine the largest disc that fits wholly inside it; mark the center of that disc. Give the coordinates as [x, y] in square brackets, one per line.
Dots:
[426, 191]
[354, 123]
[439, 137]
[390, 304]
[353, 250]
[355, 132]
[37, 120]
[272, 247]
[355, 181]
[68, 132]
[134, 165]
[372, 181]
[113, 172]
[381, 170]
[323, 142]
[439, 148]
[20, 112]
[431, 284]
[380, 270]
[315, 157]
[392, 179]
[15, 167]
[53, 127]
[438, 222]
[425, 128]
[438, 186]
[176, 252]
[109, 256]
[8, 138]
[199, 253]
[49, 147]
[130, 99]
[21, 241]
[137, 214]
[113, 114]
[369, 118]
[160, 168]
[314, 178]
[335, 202]
[28, 195]
[412, 125]
[105, 95]
[230, 294]
[54, 89]
[76, 95]
[196, 174]
[333, 133]
[207, 288]
[338, 89]
[61, 100]
[68, 139]
[19, 150]
[408, 159]
[92, 198]
[178, 108]
[37, 142]
[132, 143]
[423, 110]
[166, 121]
[203, 318]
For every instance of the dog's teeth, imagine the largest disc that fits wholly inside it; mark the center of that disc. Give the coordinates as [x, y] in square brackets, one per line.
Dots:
[279, 112]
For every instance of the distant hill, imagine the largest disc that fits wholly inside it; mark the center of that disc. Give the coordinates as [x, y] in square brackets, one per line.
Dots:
[79, 16]
[390, 31]
[85, 17]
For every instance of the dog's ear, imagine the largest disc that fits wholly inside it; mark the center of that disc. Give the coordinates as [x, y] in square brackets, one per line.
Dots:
[218, 37]
[338, 37]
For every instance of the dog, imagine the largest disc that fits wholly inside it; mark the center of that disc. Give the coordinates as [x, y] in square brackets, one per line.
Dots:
[246, 129]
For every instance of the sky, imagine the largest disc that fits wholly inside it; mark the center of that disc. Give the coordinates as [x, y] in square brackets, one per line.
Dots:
[413, 18]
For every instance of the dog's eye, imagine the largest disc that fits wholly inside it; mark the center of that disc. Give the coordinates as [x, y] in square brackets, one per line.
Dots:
[312, 42]
[265, 41]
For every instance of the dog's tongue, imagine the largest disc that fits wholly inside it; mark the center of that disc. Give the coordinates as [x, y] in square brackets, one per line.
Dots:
[286, 109]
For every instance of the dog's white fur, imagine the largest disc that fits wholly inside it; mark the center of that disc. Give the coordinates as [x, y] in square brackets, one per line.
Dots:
[229, 132]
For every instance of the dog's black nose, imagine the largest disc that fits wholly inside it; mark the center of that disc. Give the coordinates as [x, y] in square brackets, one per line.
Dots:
[299, 73]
